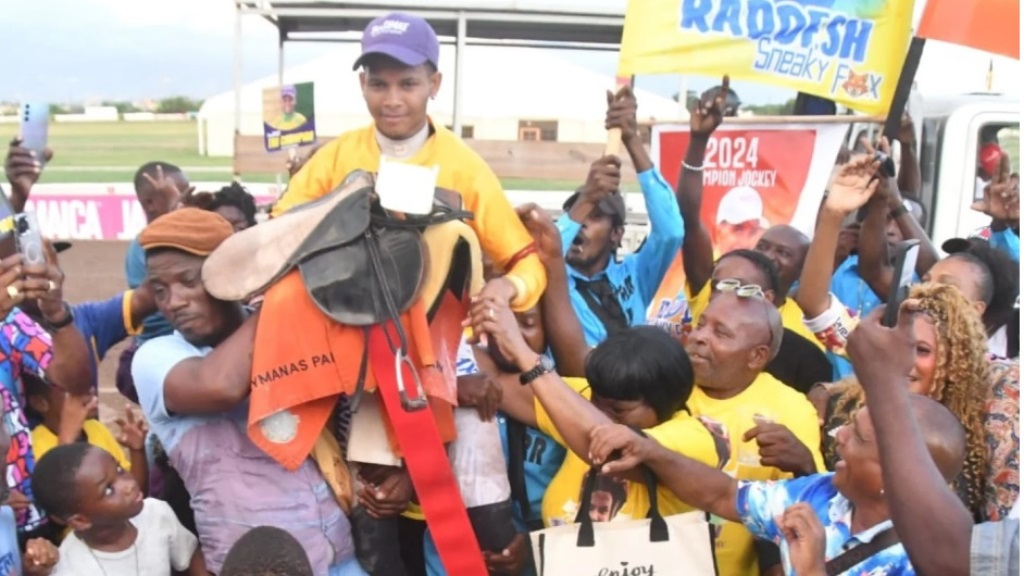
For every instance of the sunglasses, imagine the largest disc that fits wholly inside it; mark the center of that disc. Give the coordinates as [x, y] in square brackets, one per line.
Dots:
[744, 291]
[739, 289]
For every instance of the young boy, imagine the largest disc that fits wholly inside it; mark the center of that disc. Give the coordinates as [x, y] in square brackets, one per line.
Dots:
[267, 551]
[116, 530]
[65, 419]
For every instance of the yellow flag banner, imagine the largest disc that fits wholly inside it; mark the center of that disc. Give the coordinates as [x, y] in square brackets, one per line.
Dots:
[849, 51]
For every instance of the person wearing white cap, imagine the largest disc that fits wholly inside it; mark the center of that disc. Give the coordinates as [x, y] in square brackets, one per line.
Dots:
[740, 220]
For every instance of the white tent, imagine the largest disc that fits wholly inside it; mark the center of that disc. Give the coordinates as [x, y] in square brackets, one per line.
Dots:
[501, 87]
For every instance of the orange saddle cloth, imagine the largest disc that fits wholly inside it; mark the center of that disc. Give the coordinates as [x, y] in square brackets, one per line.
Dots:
[303, 360]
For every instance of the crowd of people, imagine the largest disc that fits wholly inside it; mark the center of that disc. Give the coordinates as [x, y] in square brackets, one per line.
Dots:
[816, 438]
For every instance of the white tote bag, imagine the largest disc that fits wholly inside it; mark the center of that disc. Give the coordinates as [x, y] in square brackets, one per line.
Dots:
[679, 545]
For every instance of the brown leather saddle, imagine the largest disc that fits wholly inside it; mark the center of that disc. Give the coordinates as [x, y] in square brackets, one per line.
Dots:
[248, 262]
[373, 276]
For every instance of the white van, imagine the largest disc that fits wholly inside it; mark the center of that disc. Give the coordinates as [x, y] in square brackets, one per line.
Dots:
[950, 141]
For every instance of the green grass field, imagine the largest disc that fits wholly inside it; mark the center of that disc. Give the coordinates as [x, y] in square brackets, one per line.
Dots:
[106, 152]
[111, 151]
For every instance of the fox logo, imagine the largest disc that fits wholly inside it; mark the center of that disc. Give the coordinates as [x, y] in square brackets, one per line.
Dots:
[856, 85]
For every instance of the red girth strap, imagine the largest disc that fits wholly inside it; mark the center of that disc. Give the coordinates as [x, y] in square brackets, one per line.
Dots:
[427, 462]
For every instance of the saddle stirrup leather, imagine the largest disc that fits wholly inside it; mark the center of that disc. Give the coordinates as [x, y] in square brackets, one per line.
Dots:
[401, 351]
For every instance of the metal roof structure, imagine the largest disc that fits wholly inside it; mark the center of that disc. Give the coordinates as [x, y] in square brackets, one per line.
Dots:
[595, 25]
[558, 22]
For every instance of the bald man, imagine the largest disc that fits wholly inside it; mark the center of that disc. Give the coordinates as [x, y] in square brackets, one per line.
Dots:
[850, 503]
[939, 533]
[763, 429]
[787, 248]
[942, 432]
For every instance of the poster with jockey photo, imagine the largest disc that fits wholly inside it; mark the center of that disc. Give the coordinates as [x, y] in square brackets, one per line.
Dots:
[756, 175]
[288, 116]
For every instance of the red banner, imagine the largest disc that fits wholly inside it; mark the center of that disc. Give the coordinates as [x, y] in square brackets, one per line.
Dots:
[754, 177]
[772, 163]
[989, 25]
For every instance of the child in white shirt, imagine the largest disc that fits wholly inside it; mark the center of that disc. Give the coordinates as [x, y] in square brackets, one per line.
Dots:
[116, 530]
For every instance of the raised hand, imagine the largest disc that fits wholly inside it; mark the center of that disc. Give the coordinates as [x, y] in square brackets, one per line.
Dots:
[852, 185]
[709, 110]
[23, 168]
[622, 113]
[1002, 195]
[879, 354]
[170, 196]
[603, 179]
[907, 135]
[133, 430]
[77, 409]
[545, 234]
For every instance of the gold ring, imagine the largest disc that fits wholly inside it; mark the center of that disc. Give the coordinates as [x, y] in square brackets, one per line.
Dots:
[52, 286]
[12, 291]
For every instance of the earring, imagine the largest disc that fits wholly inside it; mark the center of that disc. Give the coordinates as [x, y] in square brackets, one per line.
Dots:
[881, 492]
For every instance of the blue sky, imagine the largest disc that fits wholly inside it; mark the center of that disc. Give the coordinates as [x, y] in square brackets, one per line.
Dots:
[129, 49]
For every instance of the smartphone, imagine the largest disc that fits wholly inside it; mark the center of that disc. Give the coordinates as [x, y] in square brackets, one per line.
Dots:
[8, 235]
[30, 239]
[35, 124]
[904, 263]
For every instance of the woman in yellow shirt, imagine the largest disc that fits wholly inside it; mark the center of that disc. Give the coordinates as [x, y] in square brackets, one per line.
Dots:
[640, 377]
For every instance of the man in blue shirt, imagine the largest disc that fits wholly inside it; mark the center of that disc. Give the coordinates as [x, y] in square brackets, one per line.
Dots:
[606, 294]
[159, 186]
[104, 323]
[850, 503]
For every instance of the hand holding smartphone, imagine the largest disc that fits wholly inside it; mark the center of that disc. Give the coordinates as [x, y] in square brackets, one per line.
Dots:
[903, 276]
[35, 124]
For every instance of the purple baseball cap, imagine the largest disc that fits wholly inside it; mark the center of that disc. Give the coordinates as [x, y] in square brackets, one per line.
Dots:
[404, 37]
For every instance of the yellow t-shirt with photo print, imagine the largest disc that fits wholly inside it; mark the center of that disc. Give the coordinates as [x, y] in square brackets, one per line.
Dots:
[727, 421]
[613, 499]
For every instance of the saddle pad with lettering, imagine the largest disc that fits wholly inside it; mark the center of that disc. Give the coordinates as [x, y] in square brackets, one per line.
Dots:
[302, 361]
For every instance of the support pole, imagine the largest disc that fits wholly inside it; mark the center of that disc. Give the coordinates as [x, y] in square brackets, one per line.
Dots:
[278, 176]
[280, 57]
[460, 56]
[238, 70]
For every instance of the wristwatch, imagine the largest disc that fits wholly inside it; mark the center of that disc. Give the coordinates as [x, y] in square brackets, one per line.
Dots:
[68, 318]
[544, 366]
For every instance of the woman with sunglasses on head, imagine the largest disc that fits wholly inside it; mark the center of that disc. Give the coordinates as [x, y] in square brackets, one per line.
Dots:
[951, 363]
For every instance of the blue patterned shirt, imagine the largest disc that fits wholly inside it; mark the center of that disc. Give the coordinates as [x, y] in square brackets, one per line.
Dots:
[759, 503]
